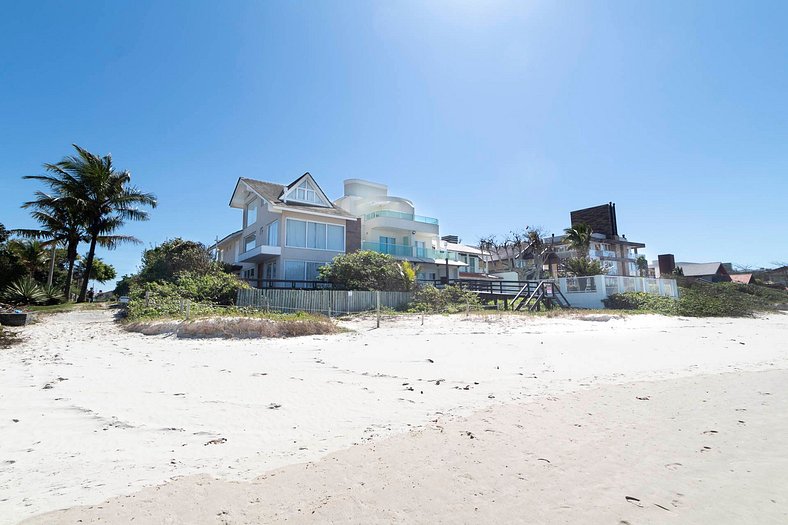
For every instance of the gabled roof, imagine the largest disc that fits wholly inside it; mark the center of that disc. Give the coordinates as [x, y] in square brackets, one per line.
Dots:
[272, 193]
[225, 239]
[700, 269]
[311, 182]
[743, 278]
[464, 248]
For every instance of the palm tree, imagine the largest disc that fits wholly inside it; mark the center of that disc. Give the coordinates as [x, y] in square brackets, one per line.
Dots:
[31, 255]
[536, 244]
[60, 224]
[103, 198]
[642, 264]
[578, 237]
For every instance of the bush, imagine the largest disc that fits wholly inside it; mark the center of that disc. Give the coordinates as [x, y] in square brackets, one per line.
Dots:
[700, 299]
[207, 293]
[243, 326]
[368, 270]
[171, 258]
[219, 288]
[24, 291]
[53, 294]
[642, 301]
[449, 299]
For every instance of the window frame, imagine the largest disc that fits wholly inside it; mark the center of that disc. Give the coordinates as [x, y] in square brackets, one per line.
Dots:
[256, 205]
[304, 264]
[306, 236]
[268, 233]
[253, 238]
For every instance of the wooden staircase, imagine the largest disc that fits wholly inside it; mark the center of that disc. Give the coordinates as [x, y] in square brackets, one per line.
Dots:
[533, 296]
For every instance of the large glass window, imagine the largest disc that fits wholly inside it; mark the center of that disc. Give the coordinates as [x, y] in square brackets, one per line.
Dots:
[336, 238]
[315, 235]
[251, 213]
[302, 270]
[294, 270]
[249, 242]
[273, 234]
[311, 270]
[296, 233]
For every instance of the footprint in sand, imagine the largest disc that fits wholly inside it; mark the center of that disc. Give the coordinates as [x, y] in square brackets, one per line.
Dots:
[673, 466]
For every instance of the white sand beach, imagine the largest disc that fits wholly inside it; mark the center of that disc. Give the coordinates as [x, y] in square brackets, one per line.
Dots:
[463, 419]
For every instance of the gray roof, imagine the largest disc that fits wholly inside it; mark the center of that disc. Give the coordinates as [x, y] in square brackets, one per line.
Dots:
[699, 269]
[272, 192]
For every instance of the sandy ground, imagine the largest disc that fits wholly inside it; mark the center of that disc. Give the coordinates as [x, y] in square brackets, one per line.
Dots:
[88, 412]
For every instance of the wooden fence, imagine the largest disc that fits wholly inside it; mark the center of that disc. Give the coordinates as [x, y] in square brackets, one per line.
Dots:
[329, 302]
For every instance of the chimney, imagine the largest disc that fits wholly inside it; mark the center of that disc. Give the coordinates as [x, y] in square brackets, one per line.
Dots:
[667, 263]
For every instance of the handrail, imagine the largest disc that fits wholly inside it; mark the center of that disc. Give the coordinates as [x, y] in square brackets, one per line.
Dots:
[401, 215]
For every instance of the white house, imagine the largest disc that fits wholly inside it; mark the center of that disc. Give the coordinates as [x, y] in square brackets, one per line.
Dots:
[288, 231]
[390, 225]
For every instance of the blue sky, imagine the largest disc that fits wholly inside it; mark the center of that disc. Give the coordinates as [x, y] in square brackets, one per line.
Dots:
[488, 115]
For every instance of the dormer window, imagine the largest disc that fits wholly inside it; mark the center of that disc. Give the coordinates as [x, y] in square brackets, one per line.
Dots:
[304, 192]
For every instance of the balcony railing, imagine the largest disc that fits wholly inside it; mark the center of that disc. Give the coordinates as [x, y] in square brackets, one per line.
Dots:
[601, 253]
[400, 215]
[399, 250]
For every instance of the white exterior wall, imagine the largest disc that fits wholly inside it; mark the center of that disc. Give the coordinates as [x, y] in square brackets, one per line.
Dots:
[588, 292]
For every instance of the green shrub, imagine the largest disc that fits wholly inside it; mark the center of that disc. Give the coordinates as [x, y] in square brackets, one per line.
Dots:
[24, 291]
[53, 294]
[219, 288]
[700, 299]
[642, 301]
[206, 293]
[449, 299]
[368, 270]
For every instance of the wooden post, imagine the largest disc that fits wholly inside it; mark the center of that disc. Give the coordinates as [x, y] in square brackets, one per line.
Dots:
[377, 301]
[180, 304]
[147, 298]
[188, 309]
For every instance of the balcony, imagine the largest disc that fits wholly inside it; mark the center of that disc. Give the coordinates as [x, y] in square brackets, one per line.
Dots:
[399, 250]
[602, 253]
[400, 215]
[259, 254]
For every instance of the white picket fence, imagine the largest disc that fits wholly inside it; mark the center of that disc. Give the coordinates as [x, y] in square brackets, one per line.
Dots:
[329, 302]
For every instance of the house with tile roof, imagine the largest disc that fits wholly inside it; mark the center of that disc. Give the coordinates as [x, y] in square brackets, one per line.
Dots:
[287, 231]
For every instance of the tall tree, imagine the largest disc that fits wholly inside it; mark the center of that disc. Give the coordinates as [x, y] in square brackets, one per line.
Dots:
[578, 237]
[102, 272]
[104, 196]
[60, 224]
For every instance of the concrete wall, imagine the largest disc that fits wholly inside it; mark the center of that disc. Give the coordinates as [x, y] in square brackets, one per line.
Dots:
[589, 292]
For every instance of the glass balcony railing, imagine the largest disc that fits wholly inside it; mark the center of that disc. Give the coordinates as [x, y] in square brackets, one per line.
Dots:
[400, 215]
[601, 253]
[399, 250]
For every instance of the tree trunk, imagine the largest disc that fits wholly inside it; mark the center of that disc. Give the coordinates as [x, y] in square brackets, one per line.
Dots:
[71, 254]
[52, 265]
[83, 292]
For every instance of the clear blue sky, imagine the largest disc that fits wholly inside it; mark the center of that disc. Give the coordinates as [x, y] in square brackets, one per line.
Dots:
[489, 115]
